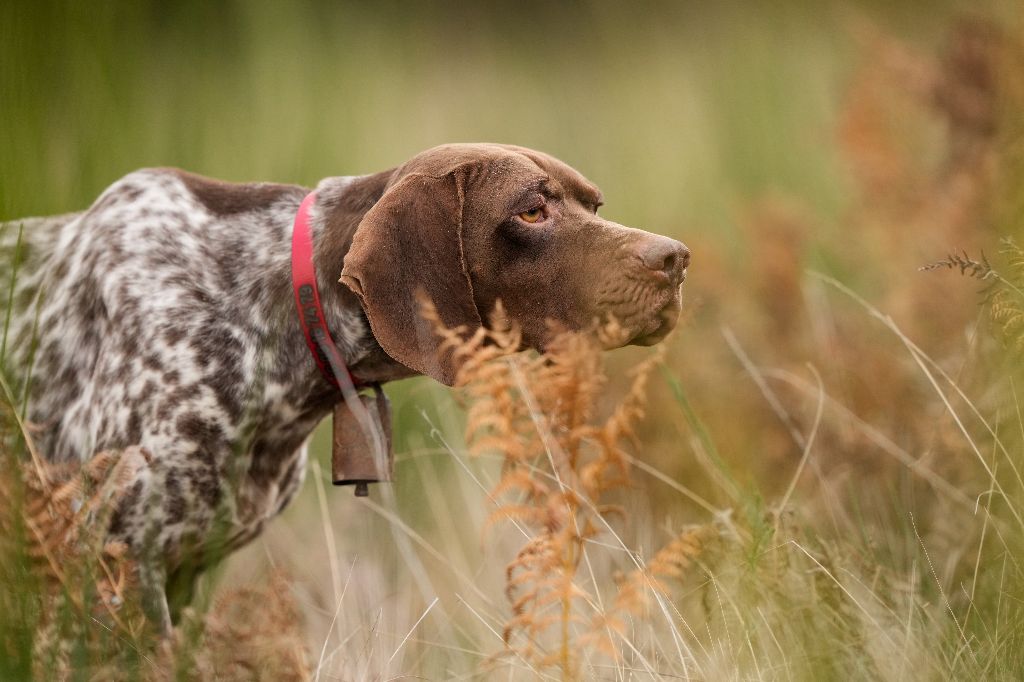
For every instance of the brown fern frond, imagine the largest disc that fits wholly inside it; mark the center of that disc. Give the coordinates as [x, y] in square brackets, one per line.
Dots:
[517, 512]
[538, 413]
[254, 632]
[636, 588]
[673, 559]
[522, 480]
[1004, 295]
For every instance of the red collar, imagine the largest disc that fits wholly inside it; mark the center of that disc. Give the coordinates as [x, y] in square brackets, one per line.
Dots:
[307, 301]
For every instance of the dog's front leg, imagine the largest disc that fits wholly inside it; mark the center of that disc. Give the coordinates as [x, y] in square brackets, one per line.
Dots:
[138, 521]
[152, 573]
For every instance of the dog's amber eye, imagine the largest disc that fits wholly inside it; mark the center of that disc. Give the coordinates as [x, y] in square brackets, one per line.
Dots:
[533, 215]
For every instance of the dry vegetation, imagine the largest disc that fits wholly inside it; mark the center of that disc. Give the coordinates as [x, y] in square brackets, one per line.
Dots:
[830, 487]
[559, 471]
[70, 603]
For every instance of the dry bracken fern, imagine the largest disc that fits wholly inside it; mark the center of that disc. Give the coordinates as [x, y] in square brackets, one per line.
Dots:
[52, 521]
[77, 592]
[1004, 295]
[637, 588]
[1006, 300]
[538, 412]
[252, 633]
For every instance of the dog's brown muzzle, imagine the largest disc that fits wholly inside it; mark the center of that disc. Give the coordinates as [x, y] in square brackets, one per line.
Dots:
[657, 269]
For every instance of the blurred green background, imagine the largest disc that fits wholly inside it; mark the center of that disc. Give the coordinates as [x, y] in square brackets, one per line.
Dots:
[677, 109]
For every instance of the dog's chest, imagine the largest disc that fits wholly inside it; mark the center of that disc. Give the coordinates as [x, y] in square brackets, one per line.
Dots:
[272, 468]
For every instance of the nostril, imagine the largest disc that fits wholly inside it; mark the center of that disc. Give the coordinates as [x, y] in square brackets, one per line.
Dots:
[670, 262]
[656, 253]
[665, 255]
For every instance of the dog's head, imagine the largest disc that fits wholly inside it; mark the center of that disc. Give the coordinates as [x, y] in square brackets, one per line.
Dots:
[467, 225]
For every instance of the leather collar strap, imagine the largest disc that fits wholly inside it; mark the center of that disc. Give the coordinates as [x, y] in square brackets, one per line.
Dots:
[307, 301]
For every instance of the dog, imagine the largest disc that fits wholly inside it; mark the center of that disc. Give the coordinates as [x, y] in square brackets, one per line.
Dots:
[162, 320]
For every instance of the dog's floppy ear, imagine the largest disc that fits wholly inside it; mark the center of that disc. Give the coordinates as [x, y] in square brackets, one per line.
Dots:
[407, 246]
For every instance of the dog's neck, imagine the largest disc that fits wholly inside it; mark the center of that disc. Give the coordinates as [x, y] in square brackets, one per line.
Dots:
[340, 205]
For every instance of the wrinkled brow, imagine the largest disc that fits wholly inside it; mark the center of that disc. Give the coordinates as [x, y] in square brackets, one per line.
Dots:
[554, 188]
[518, 197]
[586, 194]
[543, 185]
[590, 195]
[574, 185]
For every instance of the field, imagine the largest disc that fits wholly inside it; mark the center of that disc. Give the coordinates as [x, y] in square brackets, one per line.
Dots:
[817, 476]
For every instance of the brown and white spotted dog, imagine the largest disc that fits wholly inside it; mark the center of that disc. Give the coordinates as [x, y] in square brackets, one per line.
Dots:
[162, 319]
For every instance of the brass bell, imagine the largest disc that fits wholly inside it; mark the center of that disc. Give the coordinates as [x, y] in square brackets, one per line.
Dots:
[361, 449]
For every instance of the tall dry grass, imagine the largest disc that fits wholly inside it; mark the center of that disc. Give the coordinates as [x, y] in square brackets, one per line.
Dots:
[756, 589]
[71, 605]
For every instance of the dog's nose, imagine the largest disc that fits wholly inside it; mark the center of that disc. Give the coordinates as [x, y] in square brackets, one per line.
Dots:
[664, 255]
